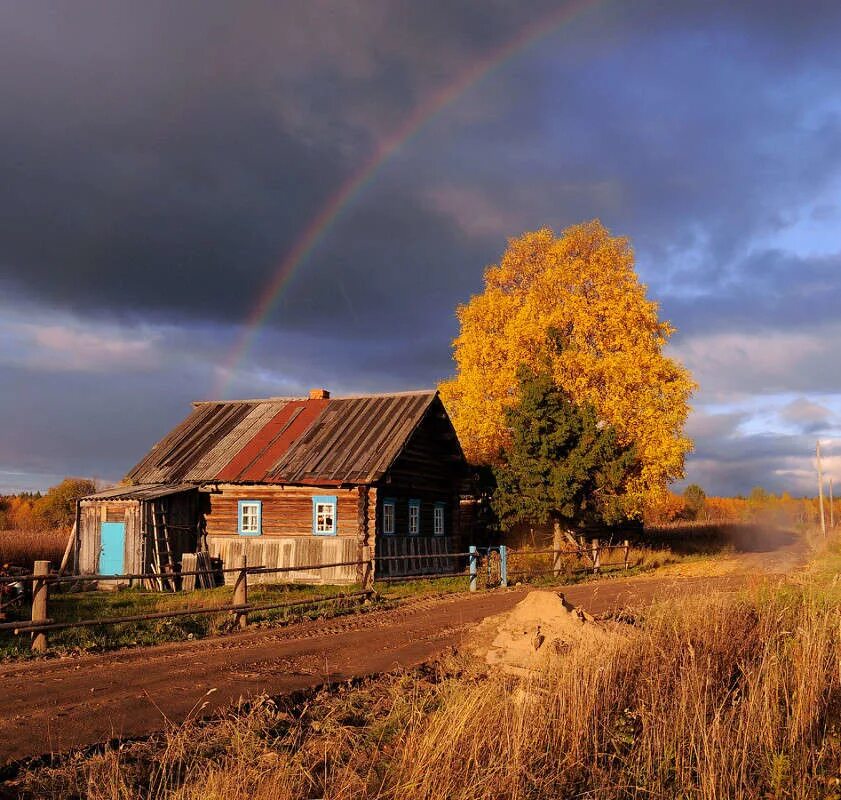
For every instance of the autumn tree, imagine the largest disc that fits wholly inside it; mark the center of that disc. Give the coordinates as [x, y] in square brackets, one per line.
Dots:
[57, 508]
[576, 301]
[694, 497]
[562, 463]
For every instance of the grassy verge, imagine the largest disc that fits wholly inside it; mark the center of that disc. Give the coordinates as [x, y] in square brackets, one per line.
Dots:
[526, 568]
[129, 602]
[725, 696]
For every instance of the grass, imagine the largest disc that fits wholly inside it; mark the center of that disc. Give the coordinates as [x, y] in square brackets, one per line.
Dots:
[127, 602]
[726, 696]
[23, 548]
[69, 606]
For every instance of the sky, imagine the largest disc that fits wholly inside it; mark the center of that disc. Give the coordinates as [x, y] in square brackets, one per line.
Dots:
[161, 165]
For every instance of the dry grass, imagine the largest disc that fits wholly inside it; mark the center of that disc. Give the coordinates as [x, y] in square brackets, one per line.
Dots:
[728, 696]
[23, 548]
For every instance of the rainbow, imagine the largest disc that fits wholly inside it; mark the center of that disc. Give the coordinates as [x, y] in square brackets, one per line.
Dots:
[324, 220]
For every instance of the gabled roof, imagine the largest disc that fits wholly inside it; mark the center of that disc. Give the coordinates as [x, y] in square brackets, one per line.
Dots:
[287, 440]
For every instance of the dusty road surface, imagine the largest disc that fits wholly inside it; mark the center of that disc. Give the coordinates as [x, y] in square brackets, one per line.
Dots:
[54, 705]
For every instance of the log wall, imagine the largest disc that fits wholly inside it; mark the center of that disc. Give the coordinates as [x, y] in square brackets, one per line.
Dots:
[287, 537]
[286, 510]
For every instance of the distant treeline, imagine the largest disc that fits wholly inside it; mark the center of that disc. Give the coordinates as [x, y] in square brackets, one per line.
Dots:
[56, 508]
[693, 504]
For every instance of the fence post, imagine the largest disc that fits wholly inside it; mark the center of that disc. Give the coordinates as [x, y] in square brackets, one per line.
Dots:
[367, 568]
[503, 565]
[474, 557]
[556, 547]
[627, 548]
[241, 593]
[39, 605]
[596, 555]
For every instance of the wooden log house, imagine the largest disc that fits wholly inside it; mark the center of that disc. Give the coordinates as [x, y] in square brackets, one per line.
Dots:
[289, 482]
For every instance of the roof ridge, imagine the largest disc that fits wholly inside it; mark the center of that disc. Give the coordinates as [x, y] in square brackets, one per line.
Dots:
[407, 393]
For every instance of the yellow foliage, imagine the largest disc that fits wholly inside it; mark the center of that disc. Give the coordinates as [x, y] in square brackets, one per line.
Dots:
[582, 288]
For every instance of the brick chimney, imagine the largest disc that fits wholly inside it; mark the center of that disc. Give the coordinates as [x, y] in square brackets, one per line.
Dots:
[319, 394]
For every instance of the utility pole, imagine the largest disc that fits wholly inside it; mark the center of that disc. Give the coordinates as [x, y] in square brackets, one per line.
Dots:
[820, 487]
[831, 507]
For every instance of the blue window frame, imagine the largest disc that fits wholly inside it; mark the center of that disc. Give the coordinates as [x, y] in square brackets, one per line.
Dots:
[389, 515]
[249, 517]
[438, 519]
[324, 510]
[414, 517]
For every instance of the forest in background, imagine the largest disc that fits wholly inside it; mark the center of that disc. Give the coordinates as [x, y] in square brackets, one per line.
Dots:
[35, 512]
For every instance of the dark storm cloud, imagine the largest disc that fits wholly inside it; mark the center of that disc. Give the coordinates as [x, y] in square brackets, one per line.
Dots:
[729, 461]
[57, 424]
[167, 154]
[192, 147]
[768, 290]
[159, 160]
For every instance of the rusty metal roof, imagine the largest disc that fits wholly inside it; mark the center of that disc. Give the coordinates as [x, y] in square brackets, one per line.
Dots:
[287, 440]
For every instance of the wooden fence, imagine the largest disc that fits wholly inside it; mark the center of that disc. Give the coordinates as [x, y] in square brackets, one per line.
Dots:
[40, 623]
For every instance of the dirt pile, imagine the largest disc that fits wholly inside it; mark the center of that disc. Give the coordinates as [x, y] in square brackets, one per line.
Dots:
[540, 627]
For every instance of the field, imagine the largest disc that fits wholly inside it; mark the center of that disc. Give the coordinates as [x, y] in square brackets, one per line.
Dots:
[719, 695]
[22, 548]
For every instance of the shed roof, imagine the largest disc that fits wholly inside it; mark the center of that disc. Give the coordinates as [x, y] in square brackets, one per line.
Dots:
[287, 440]
[140, 492]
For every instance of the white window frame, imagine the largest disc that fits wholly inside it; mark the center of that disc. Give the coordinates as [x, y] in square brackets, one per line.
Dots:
[250, 522]
[319, 515]
[389, 516]
[438, 524]
[414, 517]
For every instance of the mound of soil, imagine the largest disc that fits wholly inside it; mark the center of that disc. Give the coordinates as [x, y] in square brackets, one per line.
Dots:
[541, 626]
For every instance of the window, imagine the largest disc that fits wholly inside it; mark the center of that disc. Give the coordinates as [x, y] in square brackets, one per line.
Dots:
[414, 517]
[324, 515]
[250, 518]
[389, 507]
[438, 519]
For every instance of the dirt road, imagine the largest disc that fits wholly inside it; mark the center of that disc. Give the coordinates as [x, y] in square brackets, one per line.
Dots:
[52, 706]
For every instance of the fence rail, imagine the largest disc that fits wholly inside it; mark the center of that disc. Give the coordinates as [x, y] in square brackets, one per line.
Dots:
[40, 623]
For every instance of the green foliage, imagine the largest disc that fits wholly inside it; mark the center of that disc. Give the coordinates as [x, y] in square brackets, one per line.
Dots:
[693, 498]
[58, 506]
[563, 463]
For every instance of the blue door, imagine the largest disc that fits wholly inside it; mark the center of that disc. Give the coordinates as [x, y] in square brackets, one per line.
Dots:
[112, 549]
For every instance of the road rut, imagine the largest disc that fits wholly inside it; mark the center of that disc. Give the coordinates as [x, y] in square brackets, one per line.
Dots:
[55, 705]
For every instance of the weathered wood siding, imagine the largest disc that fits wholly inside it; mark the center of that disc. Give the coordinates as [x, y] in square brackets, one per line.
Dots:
[288, 551]
[430, 469]
[417, 546]
[92, 515]
[428, 500]
[181, 514]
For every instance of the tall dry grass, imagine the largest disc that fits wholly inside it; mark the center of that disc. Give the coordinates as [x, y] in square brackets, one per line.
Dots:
[719, 697]
[22, 548]
[713, 698]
